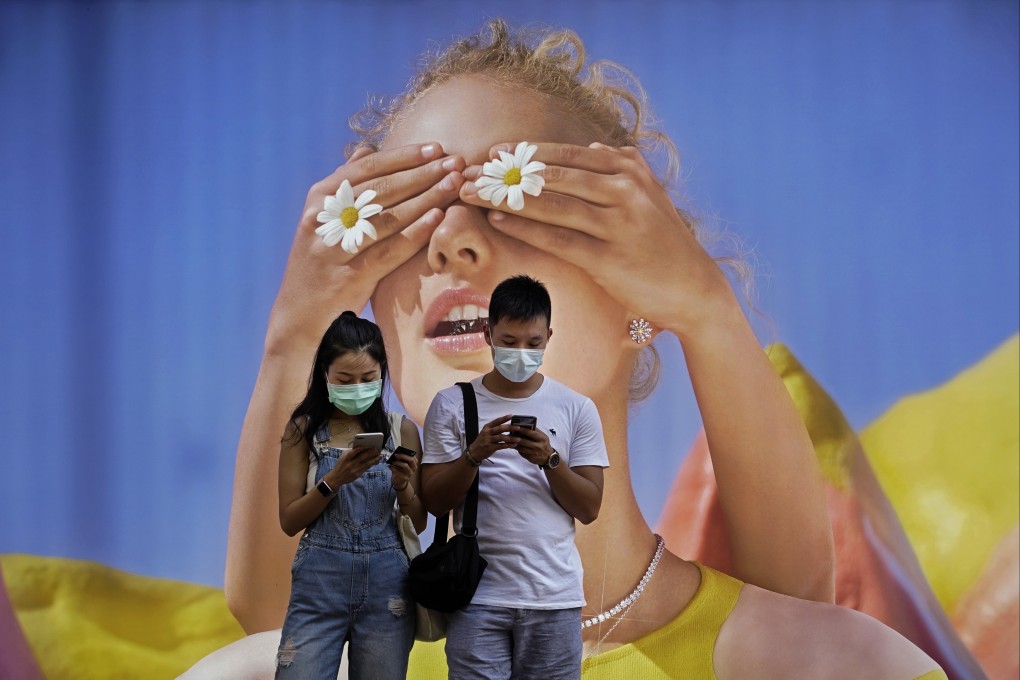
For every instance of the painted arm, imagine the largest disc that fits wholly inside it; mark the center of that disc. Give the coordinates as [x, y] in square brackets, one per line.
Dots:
[318, 284]
[770, 485]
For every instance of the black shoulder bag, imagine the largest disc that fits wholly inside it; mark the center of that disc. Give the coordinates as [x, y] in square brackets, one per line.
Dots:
[445, 576]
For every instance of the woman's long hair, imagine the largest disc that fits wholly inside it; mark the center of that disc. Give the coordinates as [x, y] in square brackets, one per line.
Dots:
[347, 333]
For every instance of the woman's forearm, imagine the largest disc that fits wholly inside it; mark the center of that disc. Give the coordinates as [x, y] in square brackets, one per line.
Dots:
[257, 578]
[410, 504]
[770, 485]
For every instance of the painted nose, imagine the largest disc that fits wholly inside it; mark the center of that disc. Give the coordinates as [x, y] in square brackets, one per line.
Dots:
[460, 244]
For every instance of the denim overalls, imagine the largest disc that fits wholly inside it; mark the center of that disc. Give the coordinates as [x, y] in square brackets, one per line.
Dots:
[349, 582]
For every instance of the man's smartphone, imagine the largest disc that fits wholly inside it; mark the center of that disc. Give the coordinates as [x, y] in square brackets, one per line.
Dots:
[400, 449]
[371, 440]
[525, 422]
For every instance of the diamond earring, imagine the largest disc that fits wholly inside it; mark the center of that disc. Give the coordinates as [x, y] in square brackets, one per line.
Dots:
[640, 331]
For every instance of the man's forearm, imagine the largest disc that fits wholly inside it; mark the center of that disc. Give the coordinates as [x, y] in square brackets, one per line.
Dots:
[444, 485]
[579, 494]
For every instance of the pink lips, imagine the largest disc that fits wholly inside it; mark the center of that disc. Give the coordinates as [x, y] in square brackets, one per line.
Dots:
[437, 333]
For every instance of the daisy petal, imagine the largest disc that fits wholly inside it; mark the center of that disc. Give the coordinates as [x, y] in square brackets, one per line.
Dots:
[325, 216]
[367, 229]
[515, 197]
[333, 237]
[536, 180]
[350, 241]
[370, 210]
[495, 169]
[499, 194]
[524, 156]
[532, 167]
[346, 194]
[528, 153]
[507, 159]
[485, 181]
[531, 185]
[331, 204]
[332, 225]
[365, 198]
[486, 192]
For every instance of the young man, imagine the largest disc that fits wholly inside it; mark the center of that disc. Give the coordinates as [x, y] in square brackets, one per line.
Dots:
[525, 618]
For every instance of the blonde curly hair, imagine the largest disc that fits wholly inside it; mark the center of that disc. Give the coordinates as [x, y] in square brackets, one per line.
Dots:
[604, 97]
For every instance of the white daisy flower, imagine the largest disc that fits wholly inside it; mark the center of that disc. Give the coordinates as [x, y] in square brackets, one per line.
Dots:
[345, 219]
[511, 177]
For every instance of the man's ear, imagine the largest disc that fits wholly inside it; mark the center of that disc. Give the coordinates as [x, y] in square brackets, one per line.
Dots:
[550, 333]
[487, 333]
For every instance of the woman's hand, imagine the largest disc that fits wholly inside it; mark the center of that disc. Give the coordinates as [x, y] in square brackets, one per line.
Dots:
[402, 469]
[414, 184]
[352, 464]
[602, 209]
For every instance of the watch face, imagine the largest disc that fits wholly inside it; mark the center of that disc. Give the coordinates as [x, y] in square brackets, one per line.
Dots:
[323, 488]
[554, 460]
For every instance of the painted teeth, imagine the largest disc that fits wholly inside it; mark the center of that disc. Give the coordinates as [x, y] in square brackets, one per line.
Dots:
[466, 313]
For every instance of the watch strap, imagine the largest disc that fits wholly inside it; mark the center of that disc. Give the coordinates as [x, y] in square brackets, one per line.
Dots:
[325, 489]
[549, 464]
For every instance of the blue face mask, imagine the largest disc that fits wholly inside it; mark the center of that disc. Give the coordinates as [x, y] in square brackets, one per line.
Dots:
[354, 399]
[517, 365]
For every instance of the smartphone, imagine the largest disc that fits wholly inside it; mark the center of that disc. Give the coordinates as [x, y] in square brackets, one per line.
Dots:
[371, 440]
[526, 422]
[400, 449]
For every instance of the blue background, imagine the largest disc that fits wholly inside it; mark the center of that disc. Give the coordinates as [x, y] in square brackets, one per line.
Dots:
[156, 157]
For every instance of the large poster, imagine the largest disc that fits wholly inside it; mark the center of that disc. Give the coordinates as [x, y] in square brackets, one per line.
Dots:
[858, 162]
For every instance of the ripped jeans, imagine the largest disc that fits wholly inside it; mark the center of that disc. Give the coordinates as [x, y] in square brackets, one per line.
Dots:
[361, 597]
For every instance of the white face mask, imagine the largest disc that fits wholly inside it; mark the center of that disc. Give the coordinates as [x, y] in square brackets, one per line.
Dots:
[517, 365]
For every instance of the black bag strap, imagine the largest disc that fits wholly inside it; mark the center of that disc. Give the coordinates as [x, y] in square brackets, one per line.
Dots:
[469, 526]
[469, 523]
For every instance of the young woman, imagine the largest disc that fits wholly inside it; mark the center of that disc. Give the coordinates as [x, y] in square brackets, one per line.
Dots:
[349, 576]
[622, 264]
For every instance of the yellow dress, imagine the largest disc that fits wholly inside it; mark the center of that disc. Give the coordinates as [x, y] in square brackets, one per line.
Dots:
[683, 648]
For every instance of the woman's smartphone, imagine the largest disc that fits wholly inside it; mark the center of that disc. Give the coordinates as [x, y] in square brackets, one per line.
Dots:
[400, 449]
[370, 440]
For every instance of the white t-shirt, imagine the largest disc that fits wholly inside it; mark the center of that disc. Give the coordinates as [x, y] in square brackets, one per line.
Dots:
[526, 537]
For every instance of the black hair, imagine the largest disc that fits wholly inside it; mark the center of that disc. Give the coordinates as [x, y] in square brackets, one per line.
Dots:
[520, 298]
[347, 333]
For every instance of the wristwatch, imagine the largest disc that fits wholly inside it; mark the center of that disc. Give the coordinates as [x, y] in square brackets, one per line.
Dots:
[553, 462]
[324, 488]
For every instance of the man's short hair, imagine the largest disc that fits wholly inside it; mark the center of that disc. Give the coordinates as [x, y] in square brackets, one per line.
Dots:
[520, 298]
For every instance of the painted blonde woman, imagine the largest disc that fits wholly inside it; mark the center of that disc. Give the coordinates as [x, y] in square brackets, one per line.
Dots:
[623, 265]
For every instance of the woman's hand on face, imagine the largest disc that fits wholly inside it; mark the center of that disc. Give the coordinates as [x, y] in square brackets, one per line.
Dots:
[402, 467]
[352, 464]
[603, 210]
[414, 184]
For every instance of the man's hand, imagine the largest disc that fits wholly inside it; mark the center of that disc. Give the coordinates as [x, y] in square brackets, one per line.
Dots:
[497, 434]
[534, 446]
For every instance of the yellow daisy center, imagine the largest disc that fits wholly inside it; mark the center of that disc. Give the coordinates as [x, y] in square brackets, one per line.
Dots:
[349, 217]
[512, 177]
